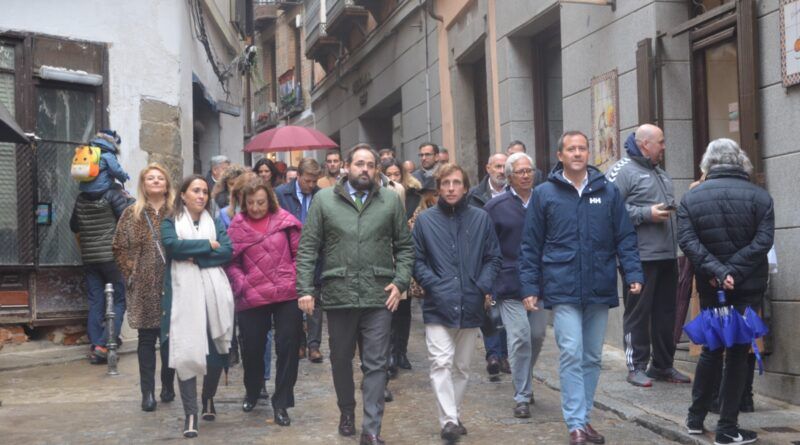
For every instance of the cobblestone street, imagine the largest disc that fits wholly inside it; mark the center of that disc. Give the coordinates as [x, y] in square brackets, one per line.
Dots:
[77, 403]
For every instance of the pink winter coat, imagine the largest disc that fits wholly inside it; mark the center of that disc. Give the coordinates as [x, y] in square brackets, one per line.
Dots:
[263, 267]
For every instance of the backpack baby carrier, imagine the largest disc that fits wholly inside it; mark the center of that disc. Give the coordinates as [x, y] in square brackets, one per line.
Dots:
[86, 163]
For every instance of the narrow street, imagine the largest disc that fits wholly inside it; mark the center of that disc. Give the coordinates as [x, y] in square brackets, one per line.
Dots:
[77, 403]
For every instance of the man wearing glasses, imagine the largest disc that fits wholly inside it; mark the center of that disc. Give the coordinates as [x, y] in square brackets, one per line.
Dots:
[525, 324]
[428, 153]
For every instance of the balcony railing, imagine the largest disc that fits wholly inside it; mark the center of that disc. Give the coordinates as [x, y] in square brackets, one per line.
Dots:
[292, 101]
[265, 111]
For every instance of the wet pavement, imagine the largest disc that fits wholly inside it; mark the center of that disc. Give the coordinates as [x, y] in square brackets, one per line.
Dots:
[77, 403]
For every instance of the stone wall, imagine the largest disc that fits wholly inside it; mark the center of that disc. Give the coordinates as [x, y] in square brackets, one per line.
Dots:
[159, 136]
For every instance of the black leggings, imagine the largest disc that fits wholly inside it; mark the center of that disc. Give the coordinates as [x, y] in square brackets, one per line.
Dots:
[146, 350]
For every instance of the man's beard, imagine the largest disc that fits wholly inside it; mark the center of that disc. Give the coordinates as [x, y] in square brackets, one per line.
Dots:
[498, 183]
[360, 182]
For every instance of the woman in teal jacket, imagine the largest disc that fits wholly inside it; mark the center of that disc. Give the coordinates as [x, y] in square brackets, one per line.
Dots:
[197, 316]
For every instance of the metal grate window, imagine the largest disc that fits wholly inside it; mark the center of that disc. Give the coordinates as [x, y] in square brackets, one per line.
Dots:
[9, 254]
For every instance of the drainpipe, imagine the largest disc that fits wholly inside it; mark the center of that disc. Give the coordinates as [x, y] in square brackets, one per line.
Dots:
[428, 7]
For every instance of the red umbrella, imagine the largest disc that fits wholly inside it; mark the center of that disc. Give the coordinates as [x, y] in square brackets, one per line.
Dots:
[289, 138]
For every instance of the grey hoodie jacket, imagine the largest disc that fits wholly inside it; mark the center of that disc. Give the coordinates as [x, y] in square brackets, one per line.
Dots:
[642, 185]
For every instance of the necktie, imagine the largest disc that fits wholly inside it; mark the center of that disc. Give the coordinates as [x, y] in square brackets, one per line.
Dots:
[304, 208]
[359, 200]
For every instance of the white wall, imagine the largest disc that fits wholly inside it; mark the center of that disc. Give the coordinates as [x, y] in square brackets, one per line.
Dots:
[152, 54]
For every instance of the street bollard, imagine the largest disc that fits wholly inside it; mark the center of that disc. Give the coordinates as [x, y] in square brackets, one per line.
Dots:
[112, 336]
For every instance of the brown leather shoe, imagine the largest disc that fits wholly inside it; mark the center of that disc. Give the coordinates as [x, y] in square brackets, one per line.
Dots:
[577, 437]
[302, 353]
[314, 355]
[347, 424]
[371, 439]
[592, 436]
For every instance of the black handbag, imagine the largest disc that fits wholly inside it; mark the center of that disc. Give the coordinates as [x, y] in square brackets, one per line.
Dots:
[492, 322]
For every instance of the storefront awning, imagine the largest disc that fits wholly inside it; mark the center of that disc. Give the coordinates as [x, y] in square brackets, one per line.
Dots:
[9, 129]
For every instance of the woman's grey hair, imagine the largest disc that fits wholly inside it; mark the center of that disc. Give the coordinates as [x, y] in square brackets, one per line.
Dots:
[509, 167]
[725, 152]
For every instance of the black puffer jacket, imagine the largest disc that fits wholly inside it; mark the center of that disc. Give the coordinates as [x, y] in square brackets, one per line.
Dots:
[457, 259]
[726, 226]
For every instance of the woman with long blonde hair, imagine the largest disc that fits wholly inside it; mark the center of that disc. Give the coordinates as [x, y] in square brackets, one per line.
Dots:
[140, 257]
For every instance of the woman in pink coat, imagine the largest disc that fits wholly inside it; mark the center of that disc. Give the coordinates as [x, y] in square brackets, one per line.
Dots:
[262, 276]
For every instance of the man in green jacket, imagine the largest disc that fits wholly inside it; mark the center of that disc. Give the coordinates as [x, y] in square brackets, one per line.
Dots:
[358, 231]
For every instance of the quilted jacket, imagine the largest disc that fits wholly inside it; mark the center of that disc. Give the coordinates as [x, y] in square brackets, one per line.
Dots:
[263, 267]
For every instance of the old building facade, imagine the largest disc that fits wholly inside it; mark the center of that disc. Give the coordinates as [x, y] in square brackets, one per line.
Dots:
[473, 75]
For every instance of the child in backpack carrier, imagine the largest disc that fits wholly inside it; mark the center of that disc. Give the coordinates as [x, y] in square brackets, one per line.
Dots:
[103, 185]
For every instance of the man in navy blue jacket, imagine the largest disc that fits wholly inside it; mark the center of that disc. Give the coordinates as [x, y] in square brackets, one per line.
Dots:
[525, 328]
[457, 259]
[576, 229]
[295, 197]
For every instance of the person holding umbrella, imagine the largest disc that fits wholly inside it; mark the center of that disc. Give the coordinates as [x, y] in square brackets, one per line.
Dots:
[726, 226]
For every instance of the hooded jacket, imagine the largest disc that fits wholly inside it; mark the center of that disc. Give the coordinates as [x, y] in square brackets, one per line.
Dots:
[110, 168]
[642, 185]
[726, 226]
[571, 244]
[262, 270]
[457, 259]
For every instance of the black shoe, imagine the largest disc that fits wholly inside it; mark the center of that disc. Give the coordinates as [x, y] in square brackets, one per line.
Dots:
[670, 375]
[248, 404]
[461, 428]
[739, 436]
[209, 413]
[505, 366]
[402, 361]
[387, 395]
[493, 365]
[148, 401]
[694, 426]
[347, 424]
[522, 411]
[391, 369]
[264, 394]
[450, 432]
[167, 395]
[190, 426]
[747, 405]
[282, 417]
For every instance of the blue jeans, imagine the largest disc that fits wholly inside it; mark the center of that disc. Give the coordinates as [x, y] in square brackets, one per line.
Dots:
[579, 332]
[496, 345]
[97, 275]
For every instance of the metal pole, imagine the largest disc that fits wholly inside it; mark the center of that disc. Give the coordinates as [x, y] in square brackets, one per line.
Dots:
[112, 336]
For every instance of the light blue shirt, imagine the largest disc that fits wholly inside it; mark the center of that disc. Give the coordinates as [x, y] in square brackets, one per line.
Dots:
[524, 203]
[583, 185]
[353, 192]
[300, 194]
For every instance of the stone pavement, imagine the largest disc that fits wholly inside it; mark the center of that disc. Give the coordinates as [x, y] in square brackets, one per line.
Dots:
[663, 407]
[76, 403]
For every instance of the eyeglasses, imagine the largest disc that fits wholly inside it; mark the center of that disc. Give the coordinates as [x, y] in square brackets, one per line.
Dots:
[427, 155]
[523, 172]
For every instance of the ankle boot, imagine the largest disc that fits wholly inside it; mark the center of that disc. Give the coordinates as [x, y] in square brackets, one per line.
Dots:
[167, 394]
[148, 401]
[190, 426]
[209, 413]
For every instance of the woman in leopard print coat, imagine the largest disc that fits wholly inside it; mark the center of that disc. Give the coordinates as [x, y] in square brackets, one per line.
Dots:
[140, 257]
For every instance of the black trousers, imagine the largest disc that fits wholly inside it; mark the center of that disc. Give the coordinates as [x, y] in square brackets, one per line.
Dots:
[649, 317]
[401, 326]
[254, 324]
[146, 350]
[733, 381]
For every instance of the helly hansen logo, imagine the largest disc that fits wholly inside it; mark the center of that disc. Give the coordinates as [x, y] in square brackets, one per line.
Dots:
[595, 200]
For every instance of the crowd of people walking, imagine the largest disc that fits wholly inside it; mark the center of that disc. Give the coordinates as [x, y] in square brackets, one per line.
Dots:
[242, 261]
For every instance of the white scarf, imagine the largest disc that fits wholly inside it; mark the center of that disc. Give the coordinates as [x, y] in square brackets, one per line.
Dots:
[202, 302]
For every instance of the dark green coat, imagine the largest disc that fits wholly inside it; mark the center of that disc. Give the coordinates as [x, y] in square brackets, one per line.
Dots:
[362, 252]
[200, 251]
